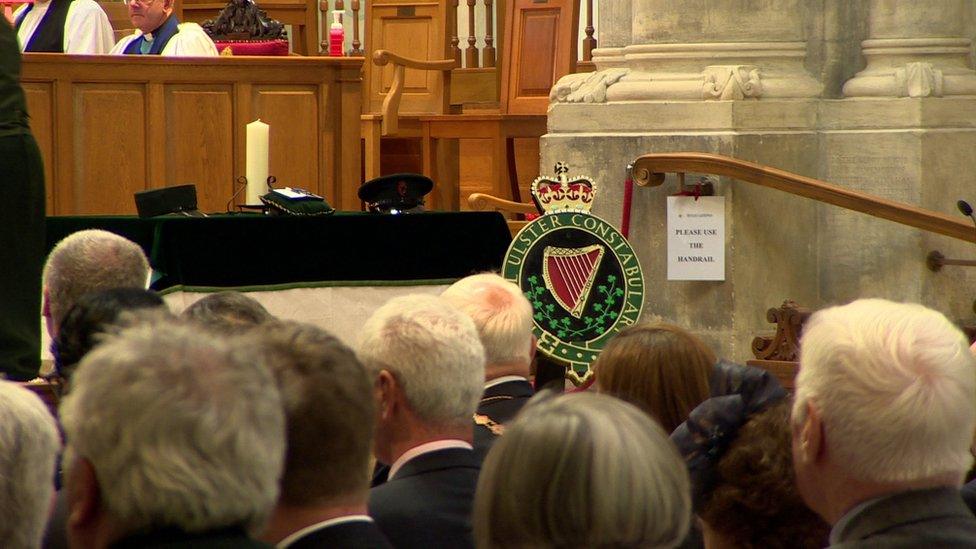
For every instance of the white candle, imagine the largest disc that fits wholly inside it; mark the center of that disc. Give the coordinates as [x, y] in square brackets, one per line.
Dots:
[256, 160]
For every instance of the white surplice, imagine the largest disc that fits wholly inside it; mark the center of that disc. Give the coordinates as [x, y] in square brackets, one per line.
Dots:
[86, 28]
[190, 41]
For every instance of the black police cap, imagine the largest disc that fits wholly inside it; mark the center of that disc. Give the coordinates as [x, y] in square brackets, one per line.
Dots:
[397, 193]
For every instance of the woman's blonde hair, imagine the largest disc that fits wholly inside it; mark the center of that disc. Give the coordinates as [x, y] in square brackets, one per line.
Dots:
[582, 470]
[660, 368]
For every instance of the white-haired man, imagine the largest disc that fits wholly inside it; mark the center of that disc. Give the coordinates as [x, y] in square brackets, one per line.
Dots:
[503, 317]
[429, 368]
[328, 398]
[174, 439]
[29, 443]
[86, 261]
[883, 423]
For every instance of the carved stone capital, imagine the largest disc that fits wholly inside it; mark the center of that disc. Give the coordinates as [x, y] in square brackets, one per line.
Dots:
[588, 87]
[728, 82]
[708, 72]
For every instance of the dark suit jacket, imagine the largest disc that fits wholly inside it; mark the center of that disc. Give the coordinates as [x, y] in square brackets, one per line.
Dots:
[428, 502]
[968, 492]
[935, 517]
[501, 404]
[353, 535]
[171, 538]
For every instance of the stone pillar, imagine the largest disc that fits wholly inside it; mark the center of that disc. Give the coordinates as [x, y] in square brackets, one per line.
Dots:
[745, 78]
[706, 50]
[916, 49]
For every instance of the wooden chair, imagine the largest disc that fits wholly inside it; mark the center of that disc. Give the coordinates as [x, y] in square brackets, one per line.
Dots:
[539, 48]
[481, 202]
[410, 75]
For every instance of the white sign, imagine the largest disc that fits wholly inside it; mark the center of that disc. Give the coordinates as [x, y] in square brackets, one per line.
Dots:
[696, 238]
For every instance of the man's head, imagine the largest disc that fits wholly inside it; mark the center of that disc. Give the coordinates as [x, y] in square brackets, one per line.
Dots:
[503, 317]
[87, 261]
[29, 443]
[885, 400]
[149, 15]
[428, 365]
[169, 428]
[330, 414]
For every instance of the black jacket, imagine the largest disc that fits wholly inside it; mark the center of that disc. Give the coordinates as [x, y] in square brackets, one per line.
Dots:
[499, 406]
[428, 502]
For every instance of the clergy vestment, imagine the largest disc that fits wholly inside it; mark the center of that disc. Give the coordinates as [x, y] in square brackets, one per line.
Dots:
[63, 26]
[170, 39]
[21, 221]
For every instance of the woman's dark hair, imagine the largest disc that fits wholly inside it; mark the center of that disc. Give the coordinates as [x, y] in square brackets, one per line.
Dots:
[90, 317]
[754, 502]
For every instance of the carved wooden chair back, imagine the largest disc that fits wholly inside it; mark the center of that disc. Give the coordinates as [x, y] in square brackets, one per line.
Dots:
[417, 30]
[540, 46]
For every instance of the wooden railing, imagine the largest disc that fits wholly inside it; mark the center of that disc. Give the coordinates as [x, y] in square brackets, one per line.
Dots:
[649, 170]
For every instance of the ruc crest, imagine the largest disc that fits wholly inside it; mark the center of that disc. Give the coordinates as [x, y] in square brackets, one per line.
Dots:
[563, 194]
[578, 272]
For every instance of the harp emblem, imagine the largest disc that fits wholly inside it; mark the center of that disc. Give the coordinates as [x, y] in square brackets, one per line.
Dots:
[569, 275]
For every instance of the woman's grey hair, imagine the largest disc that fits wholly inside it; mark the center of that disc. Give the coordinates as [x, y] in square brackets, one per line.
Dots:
[29, 443]
[582, 470]
[433, 350]
[182, 429]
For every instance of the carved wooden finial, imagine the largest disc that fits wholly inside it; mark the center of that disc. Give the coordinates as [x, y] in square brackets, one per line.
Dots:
[785, 344]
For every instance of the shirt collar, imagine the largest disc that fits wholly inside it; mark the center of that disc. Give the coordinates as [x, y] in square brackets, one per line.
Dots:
[320, 526]
[426, 449]
[503, 379]
[837, 531]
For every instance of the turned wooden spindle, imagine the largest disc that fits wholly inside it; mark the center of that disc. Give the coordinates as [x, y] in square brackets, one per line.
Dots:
[356, 50]
[324, 35]
[489, 51]
[589, 42]
[455, 49]
[471, 52]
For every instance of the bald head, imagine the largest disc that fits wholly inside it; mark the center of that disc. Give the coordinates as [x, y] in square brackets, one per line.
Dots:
[503, 317]
[87, 261]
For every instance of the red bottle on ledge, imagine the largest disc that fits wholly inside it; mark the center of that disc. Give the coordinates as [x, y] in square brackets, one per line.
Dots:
[336, 36]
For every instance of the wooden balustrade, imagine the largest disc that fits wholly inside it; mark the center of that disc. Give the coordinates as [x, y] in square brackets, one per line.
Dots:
[356, 50]
[471, 52]
[589, 43]
[325, 21]
[489, 51]
[455, 49]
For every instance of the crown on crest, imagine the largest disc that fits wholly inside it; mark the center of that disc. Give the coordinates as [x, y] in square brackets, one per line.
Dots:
[563, 194]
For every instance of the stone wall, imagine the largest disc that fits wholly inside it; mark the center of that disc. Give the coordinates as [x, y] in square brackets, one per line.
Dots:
[875, 95]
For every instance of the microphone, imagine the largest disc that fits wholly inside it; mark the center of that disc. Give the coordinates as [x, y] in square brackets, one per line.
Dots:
[966, 210]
